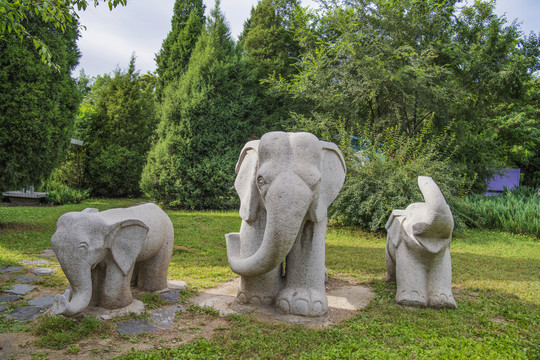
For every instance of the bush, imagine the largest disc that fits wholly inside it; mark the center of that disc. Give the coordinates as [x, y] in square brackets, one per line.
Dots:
[59, 193]
[515, 210]
[383, 176]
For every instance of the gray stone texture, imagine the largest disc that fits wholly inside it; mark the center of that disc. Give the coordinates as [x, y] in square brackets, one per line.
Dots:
[164, 318]
[42, 301]
[103, 252]
[2, 308]
[27, 312]
[285, 182]
[41, 271]
[418, 250]
[20, 289]
[170, 296]
[36, 262]
[135, 327]
[9, 298]
[10, 269]
[27, 279]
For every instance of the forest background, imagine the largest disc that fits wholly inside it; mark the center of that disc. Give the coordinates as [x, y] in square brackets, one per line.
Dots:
[404, 87]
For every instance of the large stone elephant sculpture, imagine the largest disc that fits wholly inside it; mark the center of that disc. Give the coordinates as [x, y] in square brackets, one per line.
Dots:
[418, 250]
[102, 253]
[285, 182]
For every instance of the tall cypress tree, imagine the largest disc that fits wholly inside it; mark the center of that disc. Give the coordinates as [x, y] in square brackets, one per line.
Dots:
[37, 103]
[172, 60]
[207, 116]
[271, 50]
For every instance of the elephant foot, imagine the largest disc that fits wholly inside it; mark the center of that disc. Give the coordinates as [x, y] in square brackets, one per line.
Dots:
[304, 302]
[244, 297]
[442, 300]
[411, 298]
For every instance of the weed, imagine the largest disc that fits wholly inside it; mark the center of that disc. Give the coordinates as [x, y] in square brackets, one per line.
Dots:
[200, 310]
[58, 332]
[73, 349]
[153, 301]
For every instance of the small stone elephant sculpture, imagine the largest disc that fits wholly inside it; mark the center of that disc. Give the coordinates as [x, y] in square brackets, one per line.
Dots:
[103, 253]
[418, 250]
[285, 181]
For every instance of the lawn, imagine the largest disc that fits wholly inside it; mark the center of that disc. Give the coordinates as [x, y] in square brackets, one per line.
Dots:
[496, 282]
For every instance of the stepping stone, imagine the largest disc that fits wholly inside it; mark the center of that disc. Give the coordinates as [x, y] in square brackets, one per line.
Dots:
[2, 308]
[27, 313]
[164, 318]
[42, 301]
[41, 271]
[49, 251]
[10, 269]
[9, 298]
[176, 285]
[20, 289]
[36, 262]
[27, 279]
[170, 296]
[135, 327]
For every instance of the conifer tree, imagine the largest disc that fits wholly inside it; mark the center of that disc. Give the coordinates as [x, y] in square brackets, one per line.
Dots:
[172, 60]
[206, 118]
[37, 103]
[117, 132]
[271, 50]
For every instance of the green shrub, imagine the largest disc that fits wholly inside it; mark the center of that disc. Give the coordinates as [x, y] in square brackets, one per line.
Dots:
[59, 193]
[515, 210]
[383, 175]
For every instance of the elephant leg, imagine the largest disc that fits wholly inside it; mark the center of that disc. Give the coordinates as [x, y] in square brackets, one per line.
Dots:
[390, 264]
[410, 277]
[152, 273]
[260, 289]
[115, 290]
[304, 292]
[440, 282]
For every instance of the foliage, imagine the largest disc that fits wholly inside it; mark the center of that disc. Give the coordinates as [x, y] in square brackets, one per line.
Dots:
[37, 104]
[383, 175]
[207, 116]
[59, 193]
[515, 210]
[58, 332]
[153, 301]
[57, 15]
[117, 123]
[173, 58]
[398, 63]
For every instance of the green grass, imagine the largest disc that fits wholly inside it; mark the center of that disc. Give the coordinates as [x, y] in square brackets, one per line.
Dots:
[496, 281]
[58, 332]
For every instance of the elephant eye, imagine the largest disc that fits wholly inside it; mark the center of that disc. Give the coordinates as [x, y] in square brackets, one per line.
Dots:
[260, 180]
[83, 246]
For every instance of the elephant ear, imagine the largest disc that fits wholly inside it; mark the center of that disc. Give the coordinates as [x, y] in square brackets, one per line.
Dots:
[333, 170]
[245, 185]
[125, 240]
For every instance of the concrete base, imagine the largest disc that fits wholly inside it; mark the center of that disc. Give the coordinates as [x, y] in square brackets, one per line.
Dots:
[136, 307]
[344, 300]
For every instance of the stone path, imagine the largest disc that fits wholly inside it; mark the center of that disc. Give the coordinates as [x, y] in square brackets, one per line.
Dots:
[159, 319]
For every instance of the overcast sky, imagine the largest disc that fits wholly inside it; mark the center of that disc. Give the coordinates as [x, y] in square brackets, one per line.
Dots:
[112, 36]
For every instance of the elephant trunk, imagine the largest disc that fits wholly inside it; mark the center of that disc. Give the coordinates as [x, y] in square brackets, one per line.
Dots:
[287, 202]
[81, 287]
[438, 222]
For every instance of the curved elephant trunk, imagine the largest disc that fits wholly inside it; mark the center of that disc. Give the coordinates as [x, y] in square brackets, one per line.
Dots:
[82, 293]
[437, 222]
[287, 202]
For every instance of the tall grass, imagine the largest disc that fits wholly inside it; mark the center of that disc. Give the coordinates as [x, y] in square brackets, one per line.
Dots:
[516, 211]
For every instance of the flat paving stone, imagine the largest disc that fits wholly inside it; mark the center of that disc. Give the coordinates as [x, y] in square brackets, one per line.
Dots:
[10, 269]
[164, 318]
[36, 262]
[8, 298]
[48, 251]
[41, 271]
[27, 312]
[2, 308]
[20, 289]
[42, 301]
[176, 284]
[134, 327]
[170, 296]
[27, 279]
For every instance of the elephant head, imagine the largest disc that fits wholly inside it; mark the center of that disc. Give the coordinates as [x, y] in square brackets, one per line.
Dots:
[294, 177]
[85, 239]
[428, 224]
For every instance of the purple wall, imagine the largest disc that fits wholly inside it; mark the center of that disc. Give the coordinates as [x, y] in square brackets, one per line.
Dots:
[509, 178]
